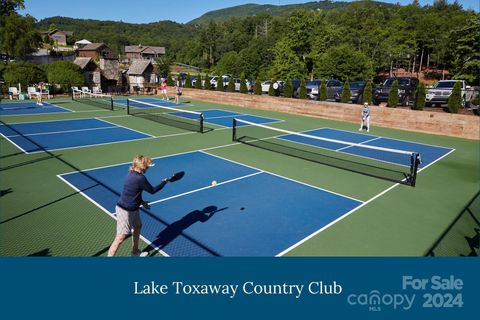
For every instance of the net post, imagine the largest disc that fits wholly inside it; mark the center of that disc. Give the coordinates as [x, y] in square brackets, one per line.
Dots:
[234, 131]
[201, 122]
[128, 106]
[111, 103]
[73, 93]
[415, 161]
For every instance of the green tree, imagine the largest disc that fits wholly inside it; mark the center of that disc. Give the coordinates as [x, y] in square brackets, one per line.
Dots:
[303, 90]
[367, 93]
[288, 89]
[345, 98]
[466, 53]
[66, 74]
[322, 91]
[343, 61]
[393, 95]
[18, 36]
[419, 97]
[208, 85]
[188, 81]
[228, 63]
[162, 66]
[243, 84]
[26, 74]
[455, 99]
[257, 88]
[271, 90]
[198, 82]
[287, 64]
[231, 85]
[8, 7]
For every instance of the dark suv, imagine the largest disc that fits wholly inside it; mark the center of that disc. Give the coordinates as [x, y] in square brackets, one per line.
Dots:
[406, 90]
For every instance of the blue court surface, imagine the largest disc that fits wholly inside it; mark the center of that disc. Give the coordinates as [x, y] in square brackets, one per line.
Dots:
[225, 118]
[28, 108]
[54, 135]
[249, 212]
[428, 153]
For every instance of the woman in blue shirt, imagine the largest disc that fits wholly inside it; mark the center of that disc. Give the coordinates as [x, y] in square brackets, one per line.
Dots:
[127, 209]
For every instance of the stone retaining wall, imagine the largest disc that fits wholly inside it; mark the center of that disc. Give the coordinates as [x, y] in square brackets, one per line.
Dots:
[455, 125]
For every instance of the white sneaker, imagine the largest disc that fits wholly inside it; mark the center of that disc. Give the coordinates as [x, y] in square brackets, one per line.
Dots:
[368, 130]
[360, 129]
[139, 254]
[40, 104]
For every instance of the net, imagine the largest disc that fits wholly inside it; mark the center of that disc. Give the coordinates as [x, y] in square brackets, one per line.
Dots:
[384, 163]
[94, 99]
[184, 119]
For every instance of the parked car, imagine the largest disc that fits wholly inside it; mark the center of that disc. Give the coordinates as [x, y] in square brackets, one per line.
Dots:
[356, 92]
[440, 93]
[278, 85]
[313, 88]
[237, 84]
[406, 90]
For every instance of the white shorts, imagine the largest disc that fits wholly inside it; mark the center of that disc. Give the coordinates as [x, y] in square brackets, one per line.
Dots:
[164, 91]
[127, 220]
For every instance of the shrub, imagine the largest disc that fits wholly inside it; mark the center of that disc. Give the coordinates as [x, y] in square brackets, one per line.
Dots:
[367, 93]
[345, 98]
[419, 97]
[188, 81]
[220, 84]
[303, 90]
[393, 95]
[455, 99]
[170, 81]
[257, 88]
[243, 84]
[231, 85]
[287, 89]
[322, 91]
[208, 85]
[271, 91]
[198, 82]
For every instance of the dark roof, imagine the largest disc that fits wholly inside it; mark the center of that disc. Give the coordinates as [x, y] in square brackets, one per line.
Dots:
[140, 48]
[67, 33]
[82, 62]
[138, 67]
[92, 47]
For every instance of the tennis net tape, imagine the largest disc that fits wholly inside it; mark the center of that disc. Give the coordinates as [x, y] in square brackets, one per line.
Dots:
[94, 99]
[390, 164]
[184, 119]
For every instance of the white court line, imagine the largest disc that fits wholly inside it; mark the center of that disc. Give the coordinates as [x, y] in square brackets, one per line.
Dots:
[359, 143]
[419, 143]
[16, 145]
[112, 215]
[280, 176]
[120, 126]
[353, 210]
[334, 221]
[205, 188]
[59, 132]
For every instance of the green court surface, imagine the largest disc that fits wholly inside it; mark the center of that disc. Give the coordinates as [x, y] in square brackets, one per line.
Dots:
[41, 215]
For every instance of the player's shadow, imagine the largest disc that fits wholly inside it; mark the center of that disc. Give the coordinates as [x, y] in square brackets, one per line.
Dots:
[176, 229]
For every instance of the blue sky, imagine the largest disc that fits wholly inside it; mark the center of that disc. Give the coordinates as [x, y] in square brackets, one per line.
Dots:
[144, 11]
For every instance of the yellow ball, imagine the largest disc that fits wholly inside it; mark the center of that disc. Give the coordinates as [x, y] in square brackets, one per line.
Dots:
[214, 183]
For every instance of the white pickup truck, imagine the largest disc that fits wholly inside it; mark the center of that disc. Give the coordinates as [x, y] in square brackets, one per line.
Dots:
[439, 94]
